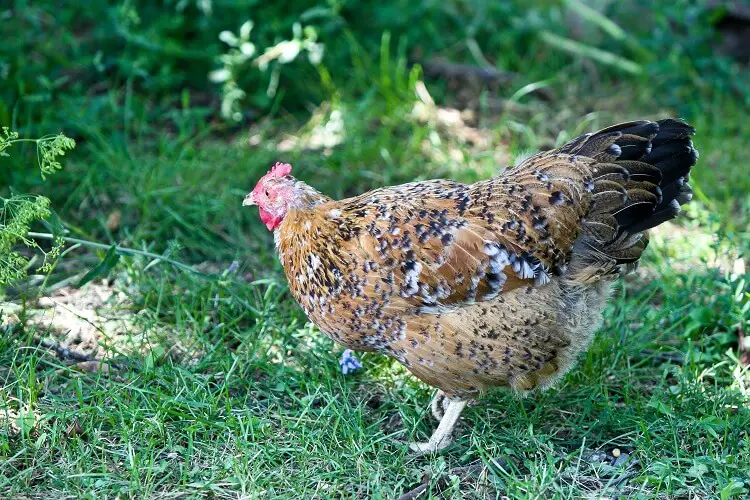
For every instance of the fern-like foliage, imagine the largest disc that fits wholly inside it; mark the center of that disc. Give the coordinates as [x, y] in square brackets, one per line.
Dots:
[20, 211]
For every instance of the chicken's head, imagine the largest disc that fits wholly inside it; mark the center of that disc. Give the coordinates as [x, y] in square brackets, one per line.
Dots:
[273, 195]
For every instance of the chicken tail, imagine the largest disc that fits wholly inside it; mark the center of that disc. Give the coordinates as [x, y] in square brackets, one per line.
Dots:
[639, 182]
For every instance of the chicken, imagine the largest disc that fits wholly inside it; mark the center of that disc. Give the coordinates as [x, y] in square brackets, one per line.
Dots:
[501, 283]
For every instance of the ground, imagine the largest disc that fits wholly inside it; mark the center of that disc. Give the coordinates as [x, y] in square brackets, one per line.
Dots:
[159, 382]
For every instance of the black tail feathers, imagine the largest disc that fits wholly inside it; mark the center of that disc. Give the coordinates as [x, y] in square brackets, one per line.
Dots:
[671, 151]
[651, 162]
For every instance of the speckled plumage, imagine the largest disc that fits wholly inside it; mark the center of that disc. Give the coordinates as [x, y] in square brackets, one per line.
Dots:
[497, 284]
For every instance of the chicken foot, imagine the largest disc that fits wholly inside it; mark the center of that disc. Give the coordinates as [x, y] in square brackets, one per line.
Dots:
[442, 437]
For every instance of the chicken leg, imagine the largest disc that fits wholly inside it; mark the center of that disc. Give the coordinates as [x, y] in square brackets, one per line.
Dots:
[439, 405]
[441, 438]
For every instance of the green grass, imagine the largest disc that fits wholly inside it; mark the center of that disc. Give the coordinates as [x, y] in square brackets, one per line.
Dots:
[218, 386]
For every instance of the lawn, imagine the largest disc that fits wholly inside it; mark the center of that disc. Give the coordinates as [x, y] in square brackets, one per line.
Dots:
[188, 370]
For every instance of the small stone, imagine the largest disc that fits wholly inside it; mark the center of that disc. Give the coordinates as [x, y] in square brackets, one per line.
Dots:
[616, 452]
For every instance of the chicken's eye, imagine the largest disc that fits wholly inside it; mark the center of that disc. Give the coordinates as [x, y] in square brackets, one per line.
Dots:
[266, 193]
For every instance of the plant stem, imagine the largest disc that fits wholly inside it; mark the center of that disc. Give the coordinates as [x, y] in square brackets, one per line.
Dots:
[119, 249]
[23, 139]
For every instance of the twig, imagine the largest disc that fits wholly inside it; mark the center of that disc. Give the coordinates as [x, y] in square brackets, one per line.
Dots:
[65, 353]
[436, 68]
[410, 495]
[442, 68]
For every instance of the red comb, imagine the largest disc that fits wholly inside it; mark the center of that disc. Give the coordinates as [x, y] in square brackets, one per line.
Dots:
[281, 169]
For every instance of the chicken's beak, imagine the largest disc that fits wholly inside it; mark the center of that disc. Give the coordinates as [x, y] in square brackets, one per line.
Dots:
[248, 201]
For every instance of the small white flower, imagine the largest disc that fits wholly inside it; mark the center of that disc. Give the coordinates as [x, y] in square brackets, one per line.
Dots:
[220, 75]
[297, 30]
[229, 38]
[262, 63]
[245, 30]
[205, 6]
[288, 51]
[315, 53]
[247, 49]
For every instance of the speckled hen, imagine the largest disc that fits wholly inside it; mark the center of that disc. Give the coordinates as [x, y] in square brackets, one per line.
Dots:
[501, 283]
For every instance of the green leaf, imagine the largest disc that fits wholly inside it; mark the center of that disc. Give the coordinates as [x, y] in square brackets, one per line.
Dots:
[26, 421]
[734, 489]
[54, 224]
[103, 268]
[148, 362]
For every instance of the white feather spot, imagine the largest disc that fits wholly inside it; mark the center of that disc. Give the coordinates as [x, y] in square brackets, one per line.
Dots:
[415, 270]
[503, 257]
[491, 248]
[277, 239]
[526, 271]
[542, 278]
[334, 213]
[411, 280]
[496, 266]
[314, 262]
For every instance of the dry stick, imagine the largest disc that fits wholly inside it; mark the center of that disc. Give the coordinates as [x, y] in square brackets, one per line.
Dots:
[416, 492]
[442, 68]
[65, 353]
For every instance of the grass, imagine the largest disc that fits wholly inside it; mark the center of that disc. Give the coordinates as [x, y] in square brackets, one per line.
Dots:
[218, 386]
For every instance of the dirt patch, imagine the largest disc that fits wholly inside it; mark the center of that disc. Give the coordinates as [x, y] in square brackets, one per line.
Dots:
[94, 323]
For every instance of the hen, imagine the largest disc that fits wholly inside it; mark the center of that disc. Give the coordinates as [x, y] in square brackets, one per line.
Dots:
[501, 283]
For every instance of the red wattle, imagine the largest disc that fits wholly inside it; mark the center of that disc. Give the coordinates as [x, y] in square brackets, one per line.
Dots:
[269, 220]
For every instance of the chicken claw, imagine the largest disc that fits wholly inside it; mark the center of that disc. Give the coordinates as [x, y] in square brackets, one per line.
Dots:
[442, 437]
